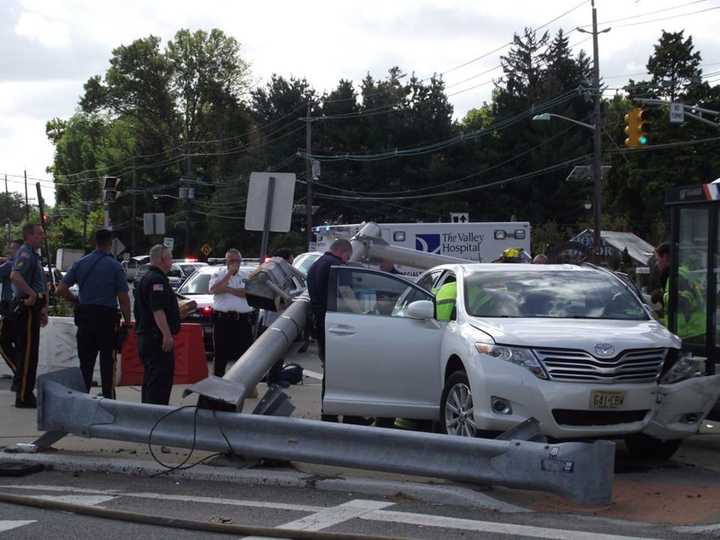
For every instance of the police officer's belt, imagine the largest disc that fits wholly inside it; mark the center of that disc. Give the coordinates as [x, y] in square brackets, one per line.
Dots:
[232, 315]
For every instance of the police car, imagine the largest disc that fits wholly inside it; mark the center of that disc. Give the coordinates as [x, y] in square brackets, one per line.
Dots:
[572, 346]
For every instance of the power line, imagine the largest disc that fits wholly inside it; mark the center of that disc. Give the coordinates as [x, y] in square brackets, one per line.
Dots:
[504, 181]
[668, 18]
[515, 157]
[445, 143]
[629, 17]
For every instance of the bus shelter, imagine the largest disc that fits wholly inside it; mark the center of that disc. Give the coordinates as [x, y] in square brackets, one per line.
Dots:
[692, 300]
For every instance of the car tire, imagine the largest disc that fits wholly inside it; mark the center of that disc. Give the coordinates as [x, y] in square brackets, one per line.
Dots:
[644, 447]
[456, 407]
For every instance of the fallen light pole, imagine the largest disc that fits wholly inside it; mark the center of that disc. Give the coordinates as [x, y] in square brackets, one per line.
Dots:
[581, 471]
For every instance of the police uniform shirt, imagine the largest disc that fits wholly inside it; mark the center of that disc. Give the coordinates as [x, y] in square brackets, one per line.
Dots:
[317, 281]
[100, 278]
[155, 294]
[6, 294]
[227, 302]
[29, 266]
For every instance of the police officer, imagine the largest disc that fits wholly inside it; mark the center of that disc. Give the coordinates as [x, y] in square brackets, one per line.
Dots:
[157, 320]
[102, 285]
[8, 331]
[317, 282]
[30, 288]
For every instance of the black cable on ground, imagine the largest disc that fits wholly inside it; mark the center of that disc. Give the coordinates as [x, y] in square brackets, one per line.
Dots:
[179, 523]
[183, 465]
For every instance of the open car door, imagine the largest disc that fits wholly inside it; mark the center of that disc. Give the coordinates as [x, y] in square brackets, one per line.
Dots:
[382, 359]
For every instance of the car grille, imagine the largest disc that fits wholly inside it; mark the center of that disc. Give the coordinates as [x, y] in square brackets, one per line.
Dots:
[633, 366]
[569, 417]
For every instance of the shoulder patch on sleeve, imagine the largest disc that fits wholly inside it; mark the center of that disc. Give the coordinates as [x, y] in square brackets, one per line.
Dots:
[24, 254]
[158, 287]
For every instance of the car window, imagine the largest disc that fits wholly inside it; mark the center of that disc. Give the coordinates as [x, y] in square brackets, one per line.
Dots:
[427, 281]
[197, 284]
[372, 293]
[557, 294]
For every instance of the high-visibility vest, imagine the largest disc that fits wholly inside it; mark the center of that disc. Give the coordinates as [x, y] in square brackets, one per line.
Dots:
[690, 314]
[445, 301]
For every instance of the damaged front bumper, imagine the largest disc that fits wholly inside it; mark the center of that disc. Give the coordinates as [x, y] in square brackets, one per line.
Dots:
[682, 406]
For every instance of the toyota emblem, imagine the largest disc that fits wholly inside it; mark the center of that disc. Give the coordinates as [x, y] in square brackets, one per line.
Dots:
[604, 349]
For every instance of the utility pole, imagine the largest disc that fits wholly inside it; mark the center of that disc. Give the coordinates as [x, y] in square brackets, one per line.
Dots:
[133, 223]
[7, 202]
[597, 139]
[27, 202]
[188, 194]
[308, 176]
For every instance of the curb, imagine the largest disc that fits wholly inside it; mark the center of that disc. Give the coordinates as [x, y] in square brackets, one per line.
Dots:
[446, 494]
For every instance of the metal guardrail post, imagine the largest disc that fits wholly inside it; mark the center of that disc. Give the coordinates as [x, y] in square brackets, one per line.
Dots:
[581, 471]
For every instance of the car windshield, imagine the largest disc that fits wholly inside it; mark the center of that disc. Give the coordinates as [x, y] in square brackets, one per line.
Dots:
[189, 268]
[305, 261]
[198, 283]
[553, 294]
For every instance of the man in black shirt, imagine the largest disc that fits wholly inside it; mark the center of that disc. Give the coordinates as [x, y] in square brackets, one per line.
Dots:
[317, 282]
[157, 319]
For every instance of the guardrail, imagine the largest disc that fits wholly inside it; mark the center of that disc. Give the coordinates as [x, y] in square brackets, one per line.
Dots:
[581, 471]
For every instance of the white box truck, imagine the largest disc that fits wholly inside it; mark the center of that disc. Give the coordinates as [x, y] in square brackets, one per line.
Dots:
[475, 241]
[66, 257]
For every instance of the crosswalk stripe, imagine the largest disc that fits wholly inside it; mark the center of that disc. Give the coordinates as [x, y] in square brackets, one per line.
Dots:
[7, 525]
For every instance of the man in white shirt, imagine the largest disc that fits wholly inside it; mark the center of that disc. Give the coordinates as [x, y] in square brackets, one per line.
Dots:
[232, 327]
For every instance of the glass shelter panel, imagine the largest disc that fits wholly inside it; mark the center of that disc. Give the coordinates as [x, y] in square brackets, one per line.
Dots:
[692, 276]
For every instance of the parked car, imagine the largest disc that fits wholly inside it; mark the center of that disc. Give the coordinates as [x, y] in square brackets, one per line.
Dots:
[183, 269]
[571, 346]
[197, 287]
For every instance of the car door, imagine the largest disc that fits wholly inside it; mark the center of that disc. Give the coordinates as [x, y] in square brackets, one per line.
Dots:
[379, 361]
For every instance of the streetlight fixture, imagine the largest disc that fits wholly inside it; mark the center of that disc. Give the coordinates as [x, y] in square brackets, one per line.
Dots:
[596, 170]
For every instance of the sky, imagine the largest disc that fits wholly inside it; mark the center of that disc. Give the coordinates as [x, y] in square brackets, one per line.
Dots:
[49, 48]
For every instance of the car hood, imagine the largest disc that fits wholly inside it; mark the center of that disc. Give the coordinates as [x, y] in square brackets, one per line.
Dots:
[583, 334]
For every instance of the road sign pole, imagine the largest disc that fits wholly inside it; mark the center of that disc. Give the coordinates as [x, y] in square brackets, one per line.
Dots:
[268, 218]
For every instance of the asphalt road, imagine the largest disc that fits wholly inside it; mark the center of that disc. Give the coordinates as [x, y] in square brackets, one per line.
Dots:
[277, 507]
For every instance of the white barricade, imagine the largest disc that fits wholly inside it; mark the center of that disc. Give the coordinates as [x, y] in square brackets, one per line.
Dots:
[58, 348]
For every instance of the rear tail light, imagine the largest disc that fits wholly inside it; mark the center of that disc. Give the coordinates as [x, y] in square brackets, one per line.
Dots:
[206, 311]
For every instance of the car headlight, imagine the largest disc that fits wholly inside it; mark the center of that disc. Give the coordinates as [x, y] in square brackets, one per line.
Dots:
[684, 368]
[515, 355]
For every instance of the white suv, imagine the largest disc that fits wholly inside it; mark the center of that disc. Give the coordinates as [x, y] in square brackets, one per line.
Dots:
[571, 346]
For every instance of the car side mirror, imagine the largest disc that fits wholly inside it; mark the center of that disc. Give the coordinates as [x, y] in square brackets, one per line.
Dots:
[421, 310]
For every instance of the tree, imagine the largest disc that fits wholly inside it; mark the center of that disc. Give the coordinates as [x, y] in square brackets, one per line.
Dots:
[12, 208]
[674, 66]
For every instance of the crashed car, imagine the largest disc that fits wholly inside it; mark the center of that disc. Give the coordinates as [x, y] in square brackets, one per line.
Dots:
[572, 346]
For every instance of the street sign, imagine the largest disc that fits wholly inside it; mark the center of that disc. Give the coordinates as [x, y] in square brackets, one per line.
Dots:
[169, 242]
[280, 204]
[154, 223]
[459, 217]
[206, 249]
[677, 113]
[117, 247]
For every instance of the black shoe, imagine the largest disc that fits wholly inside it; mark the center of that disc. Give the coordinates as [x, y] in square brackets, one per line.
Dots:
[27, 404]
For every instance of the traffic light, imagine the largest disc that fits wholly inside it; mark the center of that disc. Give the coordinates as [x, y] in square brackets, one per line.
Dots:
[636, 128]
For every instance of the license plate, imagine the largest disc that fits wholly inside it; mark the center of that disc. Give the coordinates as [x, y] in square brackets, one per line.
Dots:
[601, 399]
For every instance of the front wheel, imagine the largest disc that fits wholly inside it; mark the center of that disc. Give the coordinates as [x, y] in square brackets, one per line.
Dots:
[644, 447]
[456, 407]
